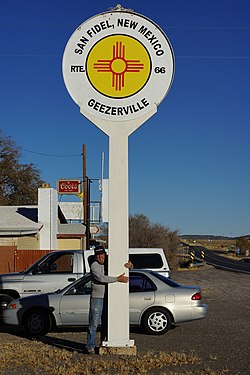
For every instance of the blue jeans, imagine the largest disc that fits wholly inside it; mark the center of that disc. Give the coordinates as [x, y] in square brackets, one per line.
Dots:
[95, 318]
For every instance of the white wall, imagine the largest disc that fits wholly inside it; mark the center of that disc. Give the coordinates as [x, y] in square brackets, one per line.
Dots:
[48, 216]
[105, 200]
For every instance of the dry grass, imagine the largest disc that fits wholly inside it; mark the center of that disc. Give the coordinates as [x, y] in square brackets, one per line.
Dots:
[206, 267]
[37, 358]
[215, 244]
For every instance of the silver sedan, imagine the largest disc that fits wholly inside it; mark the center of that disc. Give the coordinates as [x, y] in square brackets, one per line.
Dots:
[156, 302]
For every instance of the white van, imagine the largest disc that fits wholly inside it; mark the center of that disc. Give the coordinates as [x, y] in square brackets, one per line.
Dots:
[150, 258]
[147, 258]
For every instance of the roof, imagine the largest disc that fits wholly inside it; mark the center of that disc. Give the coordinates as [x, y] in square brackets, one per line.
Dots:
[19, 220]
[23, 220]
[71, 230]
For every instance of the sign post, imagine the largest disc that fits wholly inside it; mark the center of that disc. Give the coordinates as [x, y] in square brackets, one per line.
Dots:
[118, 66]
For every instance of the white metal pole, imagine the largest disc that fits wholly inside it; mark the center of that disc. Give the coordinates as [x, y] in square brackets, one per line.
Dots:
[101, 187]
[118, 293]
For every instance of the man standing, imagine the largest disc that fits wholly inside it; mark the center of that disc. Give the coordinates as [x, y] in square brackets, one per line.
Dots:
[99, 281]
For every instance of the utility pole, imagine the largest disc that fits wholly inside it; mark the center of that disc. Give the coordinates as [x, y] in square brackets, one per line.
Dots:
[86, 197]
[84, 182]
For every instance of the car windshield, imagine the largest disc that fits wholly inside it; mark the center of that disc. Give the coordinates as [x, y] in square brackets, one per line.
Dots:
[165, 279]
[34, 265]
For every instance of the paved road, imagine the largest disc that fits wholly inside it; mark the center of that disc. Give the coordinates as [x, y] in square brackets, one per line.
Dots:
[221, 262]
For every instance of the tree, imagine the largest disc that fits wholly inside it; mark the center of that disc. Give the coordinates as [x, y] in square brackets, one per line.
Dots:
[18, 182]
[243, 244]
[144, 234]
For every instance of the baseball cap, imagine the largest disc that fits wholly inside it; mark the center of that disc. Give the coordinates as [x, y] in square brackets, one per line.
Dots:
[99, 250]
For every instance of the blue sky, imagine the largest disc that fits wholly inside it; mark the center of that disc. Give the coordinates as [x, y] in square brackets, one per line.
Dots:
[189, 164]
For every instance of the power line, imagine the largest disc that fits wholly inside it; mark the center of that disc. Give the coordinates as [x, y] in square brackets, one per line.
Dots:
[50, 155]
[29, 55]
[211, 57]
[8, 26]
[180, 56]
[208, 27]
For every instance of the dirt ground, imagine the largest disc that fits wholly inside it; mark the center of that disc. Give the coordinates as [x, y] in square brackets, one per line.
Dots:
[216, 345]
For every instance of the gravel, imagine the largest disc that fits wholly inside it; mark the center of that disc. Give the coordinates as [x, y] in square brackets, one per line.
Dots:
[218, 344]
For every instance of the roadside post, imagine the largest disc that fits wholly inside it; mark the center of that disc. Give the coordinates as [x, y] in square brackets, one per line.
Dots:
[192, 257]
[118, 66]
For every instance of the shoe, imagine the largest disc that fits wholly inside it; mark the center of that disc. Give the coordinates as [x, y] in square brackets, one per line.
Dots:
[91, 351]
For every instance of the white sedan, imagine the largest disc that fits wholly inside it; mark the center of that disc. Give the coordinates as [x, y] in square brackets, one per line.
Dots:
[156, 302]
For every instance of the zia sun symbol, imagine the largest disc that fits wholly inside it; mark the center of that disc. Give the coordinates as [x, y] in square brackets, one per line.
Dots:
[118, 66]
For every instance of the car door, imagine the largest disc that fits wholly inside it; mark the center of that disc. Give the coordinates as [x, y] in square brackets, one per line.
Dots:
[74, 304]
[141, 295]
[52, 274]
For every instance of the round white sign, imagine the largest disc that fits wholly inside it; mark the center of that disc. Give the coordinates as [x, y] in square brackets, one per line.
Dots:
[118, 66]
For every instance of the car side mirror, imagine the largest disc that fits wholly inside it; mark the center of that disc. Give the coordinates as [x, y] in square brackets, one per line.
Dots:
[72, 291]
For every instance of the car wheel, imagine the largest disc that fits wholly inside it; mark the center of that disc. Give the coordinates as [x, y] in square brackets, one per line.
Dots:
[38, 322]
[157, 321]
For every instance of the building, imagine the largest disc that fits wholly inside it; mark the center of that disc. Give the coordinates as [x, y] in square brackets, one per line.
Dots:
[41, 227]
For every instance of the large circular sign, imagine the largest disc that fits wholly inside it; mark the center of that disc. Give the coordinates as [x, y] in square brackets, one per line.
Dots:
[118, 66]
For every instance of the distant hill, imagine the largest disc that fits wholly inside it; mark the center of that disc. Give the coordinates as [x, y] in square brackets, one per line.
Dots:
[211, 237]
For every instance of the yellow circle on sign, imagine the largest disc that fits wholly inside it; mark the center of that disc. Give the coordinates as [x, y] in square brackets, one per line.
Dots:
[118, 66]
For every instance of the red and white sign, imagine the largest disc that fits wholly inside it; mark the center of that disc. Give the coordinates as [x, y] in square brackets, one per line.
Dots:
[69, 186]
